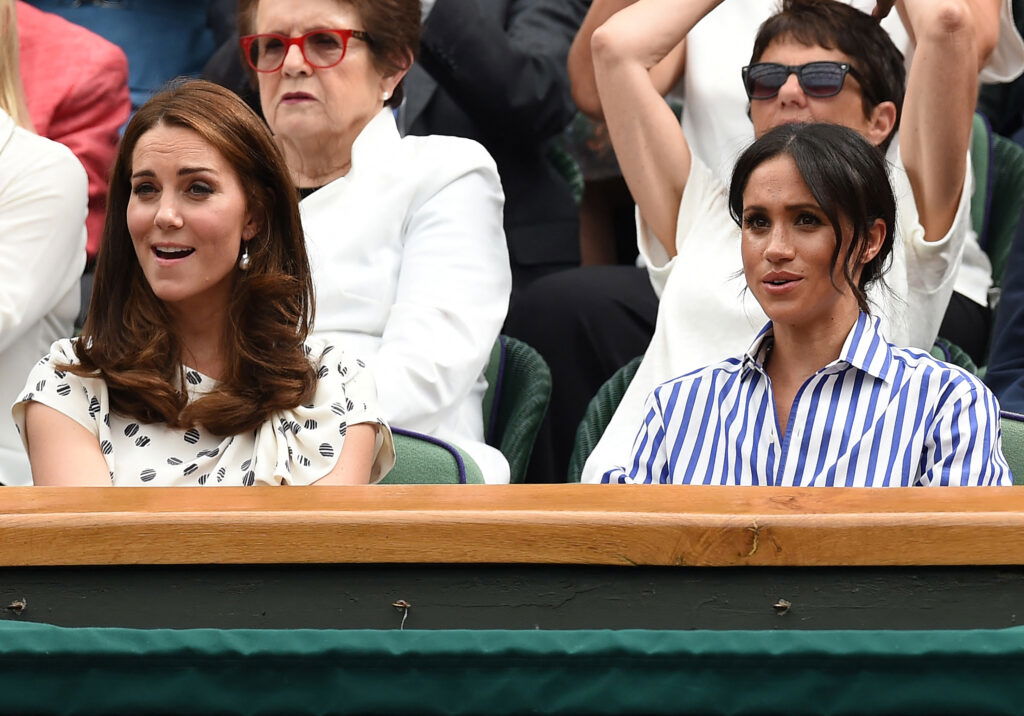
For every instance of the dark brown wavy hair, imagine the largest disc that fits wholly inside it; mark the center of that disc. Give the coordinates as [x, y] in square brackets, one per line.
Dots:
[847, 176]
[128, 339]
[393, 27]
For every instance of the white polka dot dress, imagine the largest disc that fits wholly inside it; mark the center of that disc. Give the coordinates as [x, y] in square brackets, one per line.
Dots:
[295, 447]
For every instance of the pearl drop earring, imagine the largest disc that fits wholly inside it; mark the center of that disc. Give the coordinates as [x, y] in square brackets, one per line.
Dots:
[243, 263]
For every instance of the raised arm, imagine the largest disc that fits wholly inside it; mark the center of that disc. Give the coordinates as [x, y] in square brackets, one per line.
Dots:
[652, 151]
[984, 15]
[942, 90]
[664, 75]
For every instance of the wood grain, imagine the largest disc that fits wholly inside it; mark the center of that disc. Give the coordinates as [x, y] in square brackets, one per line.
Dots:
[535, 524]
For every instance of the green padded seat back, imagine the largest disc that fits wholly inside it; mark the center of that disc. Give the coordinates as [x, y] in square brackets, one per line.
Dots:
[1012, 426]
[1007, 202]
[493, 371]
[423, 460]
[952, 353]
[516, 401]
[981, 157]
[599, 414]
[996, 206]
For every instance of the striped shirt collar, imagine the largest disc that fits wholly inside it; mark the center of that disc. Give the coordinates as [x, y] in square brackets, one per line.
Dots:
[865, 349]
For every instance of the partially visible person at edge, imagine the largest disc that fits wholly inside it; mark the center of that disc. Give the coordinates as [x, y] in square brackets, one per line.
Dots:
[814, 61]
[43, 198]
[194, 366]
[820, 398]
[76, 88]
[405, 235]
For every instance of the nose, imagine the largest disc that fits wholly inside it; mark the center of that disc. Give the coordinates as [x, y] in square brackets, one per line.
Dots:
[295, 62]
[791, 91]
[779, 247]
[167, 216]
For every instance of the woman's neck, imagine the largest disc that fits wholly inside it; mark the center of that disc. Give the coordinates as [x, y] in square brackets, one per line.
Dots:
[312, 166]
[798, 352]
[201, 330]
[318, 159]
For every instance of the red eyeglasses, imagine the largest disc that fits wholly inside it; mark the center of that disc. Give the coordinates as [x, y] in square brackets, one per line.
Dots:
[321, 48]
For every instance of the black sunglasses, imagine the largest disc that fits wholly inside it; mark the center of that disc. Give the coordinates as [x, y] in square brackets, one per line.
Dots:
[762, 80]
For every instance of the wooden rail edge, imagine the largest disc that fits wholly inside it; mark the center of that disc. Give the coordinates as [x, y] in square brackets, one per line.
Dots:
[531, 524]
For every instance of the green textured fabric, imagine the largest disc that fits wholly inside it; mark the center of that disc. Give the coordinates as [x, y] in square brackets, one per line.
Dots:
[491, 374]
[45, 669]
[950, 352]
[981, 152]
[1007, 202]
[599, 414]
[566, 165]
[522, 402]
[1013, 445]
[421, 462]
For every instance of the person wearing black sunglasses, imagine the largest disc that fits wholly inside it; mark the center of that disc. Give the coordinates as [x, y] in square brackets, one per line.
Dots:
[814, 61]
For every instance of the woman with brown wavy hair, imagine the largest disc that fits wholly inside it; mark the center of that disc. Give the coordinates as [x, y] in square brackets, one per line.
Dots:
[194, 366]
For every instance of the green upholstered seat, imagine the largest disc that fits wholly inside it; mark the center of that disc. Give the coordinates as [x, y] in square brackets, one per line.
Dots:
[1012, 425]
[1007, 202]
[996, 205]
[518, 391]
[599, 414]
[981, 156]
[421, 459]
[952, 353]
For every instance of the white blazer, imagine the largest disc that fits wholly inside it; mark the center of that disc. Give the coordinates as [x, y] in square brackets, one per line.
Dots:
[43, 199]
[411, 273]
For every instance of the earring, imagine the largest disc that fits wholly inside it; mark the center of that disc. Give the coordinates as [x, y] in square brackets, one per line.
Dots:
[386, 96]
[243, 263]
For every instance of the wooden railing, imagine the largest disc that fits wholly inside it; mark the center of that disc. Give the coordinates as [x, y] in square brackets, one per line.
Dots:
[535, 524]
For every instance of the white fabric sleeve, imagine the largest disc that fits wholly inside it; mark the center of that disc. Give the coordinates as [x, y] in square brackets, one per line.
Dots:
[1006, 63]
[451, 298]
[963, 448]
[427, 5]
[305, 443]
[649, 461]
[67, 393]
[700, 195]
[932, 266]
[43, 205]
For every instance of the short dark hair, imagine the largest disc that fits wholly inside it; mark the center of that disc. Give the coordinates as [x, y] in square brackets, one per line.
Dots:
[836, 26]
[848, 178]
[393, 27]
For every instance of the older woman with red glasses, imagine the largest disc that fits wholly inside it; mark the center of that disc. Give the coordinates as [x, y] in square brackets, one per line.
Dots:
[405, 235]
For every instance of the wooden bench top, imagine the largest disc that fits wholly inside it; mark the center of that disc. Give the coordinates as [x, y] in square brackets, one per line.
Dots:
[527, 524]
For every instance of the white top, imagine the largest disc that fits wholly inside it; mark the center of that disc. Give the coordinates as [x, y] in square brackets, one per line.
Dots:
[877, 416]
[43, 200]
[411, 272]
[715, 105]
[706, 312]
[295, 447]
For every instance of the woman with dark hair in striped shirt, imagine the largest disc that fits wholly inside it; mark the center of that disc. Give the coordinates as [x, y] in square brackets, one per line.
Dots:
[820, 398]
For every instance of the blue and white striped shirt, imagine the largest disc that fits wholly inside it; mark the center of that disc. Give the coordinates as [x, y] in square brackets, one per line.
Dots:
[879, 416]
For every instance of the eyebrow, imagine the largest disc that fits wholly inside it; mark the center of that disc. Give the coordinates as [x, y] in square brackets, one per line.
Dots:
[787, 207]
[184, 171]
